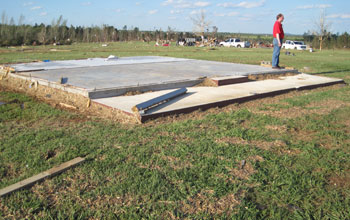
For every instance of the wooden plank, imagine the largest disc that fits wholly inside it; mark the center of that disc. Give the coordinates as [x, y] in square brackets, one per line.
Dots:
[223, 81]
[67, 106]
[163, 98]
[41, 176]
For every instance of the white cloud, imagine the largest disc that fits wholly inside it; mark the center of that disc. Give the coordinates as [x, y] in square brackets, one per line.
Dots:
[314, 6]
[176, 11]
[230, 14]
[152, 12]
[138, 3]
[118, 10]
[185, 3]
[196, 12]
[243, 4]
[343, 16]
[28, 4]
[249, 17]
[233, 13]
[172, 18]
[168, 2]
[43, 13]
[201, 4]
[36, 8]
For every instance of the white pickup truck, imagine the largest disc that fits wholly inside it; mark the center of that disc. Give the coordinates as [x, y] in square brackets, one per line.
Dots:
[234, 42]
[296, 45]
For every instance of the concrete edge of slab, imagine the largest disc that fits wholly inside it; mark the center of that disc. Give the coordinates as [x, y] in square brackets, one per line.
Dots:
[68, 88]
[110, 92]
[145, 117]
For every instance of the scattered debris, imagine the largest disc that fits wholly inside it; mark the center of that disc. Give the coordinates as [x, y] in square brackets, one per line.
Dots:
[293, 208]
[307, 69]
[41, 176]
[50, 154]
[242, 164]
[88, 104]
[63, 80]
[265, 63]
[34, 84]
[289, 53]
[112, 57]
[68, 106]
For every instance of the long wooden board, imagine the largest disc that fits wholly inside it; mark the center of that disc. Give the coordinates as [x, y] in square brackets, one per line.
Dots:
[41, 176]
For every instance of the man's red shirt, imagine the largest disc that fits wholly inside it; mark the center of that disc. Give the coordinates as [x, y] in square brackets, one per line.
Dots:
[278, 29]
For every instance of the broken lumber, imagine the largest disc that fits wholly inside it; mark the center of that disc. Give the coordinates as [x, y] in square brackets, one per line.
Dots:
[41, 176]
[158, 100]
[68, 106]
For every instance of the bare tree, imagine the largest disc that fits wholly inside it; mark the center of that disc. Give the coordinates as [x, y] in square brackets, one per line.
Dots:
[200, 24]
[322, 27]
[215, 31]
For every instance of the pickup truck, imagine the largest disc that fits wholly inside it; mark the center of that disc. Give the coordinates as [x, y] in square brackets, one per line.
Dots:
[234, 42]
[296, 45]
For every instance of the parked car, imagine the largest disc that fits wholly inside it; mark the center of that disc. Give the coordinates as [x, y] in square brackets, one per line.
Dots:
[294, 45]
[234, 42]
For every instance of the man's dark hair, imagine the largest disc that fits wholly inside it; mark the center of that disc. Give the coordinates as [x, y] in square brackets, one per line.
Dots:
[278, 16]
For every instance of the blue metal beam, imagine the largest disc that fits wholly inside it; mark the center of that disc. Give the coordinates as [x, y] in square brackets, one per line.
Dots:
[156, 101]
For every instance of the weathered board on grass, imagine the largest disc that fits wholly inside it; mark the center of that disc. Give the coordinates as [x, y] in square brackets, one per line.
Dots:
[41, 176]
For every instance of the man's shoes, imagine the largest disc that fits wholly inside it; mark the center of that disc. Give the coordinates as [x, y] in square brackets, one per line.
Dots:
[276, 67]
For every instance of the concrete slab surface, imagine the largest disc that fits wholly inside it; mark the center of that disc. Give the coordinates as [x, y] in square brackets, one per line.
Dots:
[90, 62]
[97, 74]
[205, 97]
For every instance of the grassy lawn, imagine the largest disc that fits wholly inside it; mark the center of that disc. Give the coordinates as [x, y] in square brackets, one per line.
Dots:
[285, 157]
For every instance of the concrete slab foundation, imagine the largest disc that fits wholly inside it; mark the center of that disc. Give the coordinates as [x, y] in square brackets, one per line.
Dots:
[101, 78]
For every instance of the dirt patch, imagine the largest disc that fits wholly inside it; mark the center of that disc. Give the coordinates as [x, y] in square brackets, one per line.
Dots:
[243, 171]
[207, 82]
[270, 76]
[280, 129]
[204, 202]
[341, 181]
[277, 146]
[55, 97]
[320, 108]
[265, 145]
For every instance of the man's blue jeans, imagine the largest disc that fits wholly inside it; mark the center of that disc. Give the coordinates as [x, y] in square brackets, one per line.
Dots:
[276, 52]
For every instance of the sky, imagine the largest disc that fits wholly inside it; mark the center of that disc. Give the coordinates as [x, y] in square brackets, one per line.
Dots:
[238, 16]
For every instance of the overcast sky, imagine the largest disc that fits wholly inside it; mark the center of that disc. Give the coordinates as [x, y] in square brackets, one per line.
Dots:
[244, 16]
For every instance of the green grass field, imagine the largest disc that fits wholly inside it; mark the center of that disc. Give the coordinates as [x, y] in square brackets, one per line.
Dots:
[296, 149]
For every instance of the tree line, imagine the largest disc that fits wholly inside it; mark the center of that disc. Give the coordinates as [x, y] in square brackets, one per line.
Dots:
[16, 34]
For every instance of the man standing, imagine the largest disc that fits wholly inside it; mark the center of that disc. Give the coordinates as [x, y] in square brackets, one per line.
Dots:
[278, 36]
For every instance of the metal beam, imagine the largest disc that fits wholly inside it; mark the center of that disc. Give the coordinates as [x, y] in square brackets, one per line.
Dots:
[158, 100]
